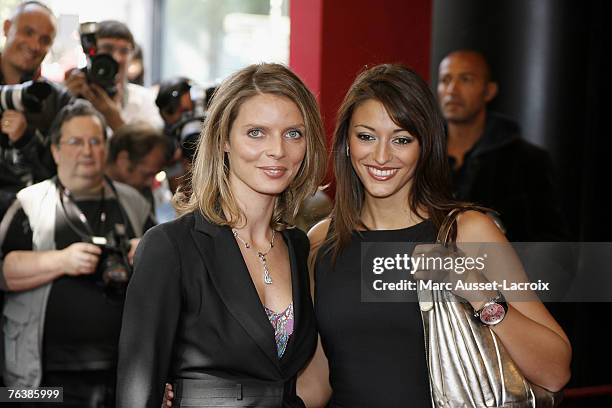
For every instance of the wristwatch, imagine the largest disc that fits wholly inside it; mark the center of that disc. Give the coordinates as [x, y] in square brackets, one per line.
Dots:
[493, 311]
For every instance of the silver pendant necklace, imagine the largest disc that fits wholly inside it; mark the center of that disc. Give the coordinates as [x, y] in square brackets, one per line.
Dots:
[261, 255]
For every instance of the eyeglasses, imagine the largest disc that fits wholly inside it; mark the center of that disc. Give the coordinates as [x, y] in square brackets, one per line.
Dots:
[78, 142]
[111, 49]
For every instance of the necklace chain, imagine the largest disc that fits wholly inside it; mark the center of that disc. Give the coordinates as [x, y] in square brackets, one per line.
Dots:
[260, 255]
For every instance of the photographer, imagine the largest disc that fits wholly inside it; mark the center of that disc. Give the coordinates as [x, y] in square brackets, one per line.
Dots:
[25, 157]
[182, 105]
[67, 245]
[136, 153]
[127, 102]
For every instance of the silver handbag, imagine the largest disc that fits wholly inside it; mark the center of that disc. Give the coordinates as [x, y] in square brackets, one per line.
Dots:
[468, 364]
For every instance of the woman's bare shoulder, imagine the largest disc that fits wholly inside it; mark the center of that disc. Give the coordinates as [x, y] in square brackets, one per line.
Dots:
[476, 226]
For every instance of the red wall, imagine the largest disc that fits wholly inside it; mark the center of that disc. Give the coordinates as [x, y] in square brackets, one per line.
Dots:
[331, 41]
[306, 41]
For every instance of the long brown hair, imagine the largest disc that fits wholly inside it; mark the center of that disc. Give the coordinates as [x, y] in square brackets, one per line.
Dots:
[210, 189]
[412, 106]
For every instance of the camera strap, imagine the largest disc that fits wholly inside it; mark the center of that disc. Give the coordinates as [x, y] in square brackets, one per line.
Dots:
[124, 217]
[72, 212]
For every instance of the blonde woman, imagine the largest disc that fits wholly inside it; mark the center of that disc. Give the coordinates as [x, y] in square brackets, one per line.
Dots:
[219, 304]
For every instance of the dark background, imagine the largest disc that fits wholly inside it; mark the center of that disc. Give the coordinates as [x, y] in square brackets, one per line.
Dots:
[548, 58]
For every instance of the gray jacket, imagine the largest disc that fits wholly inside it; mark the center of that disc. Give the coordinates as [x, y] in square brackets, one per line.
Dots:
[24, 312]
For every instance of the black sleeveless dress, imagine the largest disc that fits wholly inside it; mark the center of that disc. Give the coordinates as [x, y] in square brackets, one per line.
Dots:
[375, 350]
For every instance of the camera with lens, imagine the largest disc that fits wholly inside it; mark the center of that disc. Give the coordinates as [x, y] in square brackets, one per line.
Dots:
[182, 104]
[114, 265]
[27, 97]
[101, 68]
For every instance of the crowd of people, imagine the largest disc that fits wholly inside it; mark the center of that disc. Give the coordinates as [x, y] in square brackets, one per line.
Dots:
[228, 304]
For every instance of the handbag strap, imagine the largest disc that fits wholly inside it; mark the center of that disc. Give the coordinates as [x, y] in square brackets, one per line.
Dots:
[447, 235]
[448, 230]
[448, 226]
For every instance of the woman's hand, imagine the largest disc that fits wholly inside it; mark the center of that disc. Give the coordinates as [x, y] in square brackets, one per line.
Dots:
[168, 396]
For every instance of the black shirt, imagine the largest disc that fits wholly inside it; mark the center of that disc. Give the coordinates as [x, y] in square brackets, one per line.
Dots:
[192, 311]
[506, 173]
[375, 350]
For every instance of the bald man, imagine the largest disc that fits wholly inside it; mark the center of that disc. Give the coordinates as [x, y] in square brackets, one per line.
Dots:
[25, 157]
[492, 165]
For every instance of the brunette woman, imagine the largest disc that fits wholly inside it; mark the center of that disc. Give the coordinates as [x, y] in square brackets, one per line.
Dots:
[392, 186]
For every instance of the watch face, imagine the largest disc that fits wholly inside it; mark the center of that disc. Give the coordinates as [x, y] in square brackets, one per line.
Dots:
[492, 313]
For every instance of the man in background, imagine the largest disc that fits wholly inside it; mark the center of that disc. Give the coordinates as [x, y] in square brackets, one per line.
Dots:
[136, 153]
[491, 164]
[131, 103]
[25, 157]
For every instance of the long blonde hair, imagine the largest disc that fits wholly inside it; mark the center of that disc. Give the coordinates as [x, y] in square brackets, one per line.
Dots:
[209, 182]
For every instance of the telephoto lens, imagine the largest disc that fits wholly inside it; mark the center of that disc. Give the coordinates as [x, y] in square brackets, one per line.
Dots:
[26, 97]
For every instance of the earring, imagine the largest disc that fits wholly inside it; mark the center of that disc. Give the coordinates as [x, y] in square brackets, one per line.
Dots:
[348, 154]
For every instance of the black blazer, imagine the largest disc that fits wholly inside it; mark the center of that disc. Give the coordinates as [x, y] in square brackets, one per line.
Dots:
[192, 310]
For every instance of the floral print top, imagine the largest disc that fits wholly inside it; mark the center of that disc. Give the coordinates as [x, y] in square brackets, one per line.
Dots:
[283, 327]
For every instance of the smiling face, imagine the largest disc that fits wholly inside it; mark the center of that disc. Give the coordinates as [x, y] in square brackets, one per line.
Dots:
[266, 145]
[81, 153]
[383, 155]
[28, 39]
